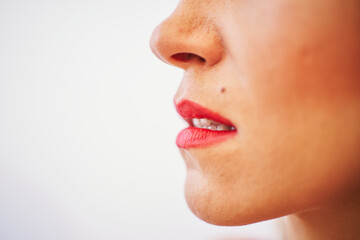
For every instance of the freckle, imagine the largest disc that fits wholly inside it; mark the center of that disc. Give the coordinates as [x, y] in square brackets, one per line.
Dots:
[223, 90]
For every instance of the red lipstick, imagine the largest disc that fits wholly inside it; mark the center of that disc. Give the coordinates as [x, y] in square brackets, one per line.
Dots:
[194, 136]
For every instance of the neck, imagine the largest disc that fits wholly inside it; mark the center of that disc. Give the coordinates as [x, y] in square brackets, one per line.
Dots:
[339, 221]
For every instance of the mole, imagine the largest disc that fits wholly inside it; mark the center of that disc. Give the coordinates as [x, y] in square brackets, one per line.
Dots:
[223, 90]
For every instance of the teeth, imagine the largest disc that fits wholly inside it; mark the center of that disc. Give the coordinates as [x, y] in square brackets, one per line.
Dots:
[223, 127]
[197, 122]
[209, 124]
[205, 122]
[212, 127]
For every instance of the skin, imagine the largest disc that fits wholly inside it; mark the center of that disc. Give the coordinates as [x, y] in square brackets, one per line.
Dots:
[287, 74]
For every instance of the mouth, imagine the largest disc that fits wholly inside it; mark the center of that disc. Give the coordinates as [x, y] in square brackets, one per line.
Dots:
[205, 126]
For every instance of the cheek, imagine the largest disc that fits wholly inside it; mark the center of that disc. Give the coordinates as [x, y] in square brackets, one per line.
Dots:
[304, 123]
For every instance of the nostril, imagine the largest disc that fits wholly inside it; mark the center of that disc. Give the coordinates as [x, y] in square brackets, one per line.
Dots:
[188, 57]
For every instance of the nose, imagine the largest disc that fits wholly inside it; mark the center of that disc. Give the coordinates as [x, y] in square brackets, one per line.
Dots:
[189, 37]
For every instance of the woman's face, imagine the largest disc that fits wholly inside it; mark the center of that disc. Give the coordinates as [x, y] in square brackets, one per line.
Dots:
[287, 75]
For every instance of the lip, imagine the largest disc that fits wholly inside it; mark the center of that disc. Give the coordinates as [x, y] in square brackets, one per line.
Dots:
[193, 137]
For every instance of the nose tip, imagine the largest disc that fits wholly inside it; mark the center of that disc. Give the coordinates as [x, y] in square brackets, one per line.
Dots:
[186, 41]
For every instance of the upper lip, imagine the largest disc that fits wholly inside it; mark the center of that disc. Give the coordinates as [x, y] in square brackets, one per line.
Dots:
[189, 110]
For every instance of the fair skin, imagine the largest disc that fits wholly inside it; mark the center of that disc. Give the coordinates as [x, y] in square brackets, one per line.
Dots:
[287, 74]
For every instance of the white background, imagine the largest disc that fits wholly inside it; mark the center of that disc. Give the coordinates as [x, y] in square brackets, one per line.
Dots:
[88, 126]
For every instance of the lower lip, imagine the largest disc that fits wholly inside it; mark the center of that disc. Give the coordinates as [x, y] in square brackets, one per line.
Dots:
[192, 137]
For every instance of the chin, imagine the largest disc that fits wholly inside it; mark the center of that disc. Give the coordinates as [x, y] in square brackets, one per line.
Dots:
[219, 206]
[228, 204]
